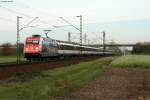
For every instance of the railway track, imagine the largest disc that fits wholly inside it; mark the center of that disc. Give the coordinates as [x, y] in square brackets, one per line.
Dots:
[8, 70]
[22, 63]
[12, 63]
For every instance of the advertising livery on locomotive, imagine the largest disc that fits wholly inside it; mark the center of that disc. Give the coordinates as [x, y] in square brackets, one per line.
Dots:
[37, 47]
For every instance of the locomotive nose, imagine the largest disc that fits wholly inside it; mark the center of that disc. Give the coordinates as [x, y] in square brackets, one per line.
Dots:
[32, 49]
[37, 48]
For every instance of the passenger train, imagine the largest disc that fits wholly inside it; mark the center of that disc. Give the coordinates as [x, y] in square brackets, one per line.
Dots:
[37, 47]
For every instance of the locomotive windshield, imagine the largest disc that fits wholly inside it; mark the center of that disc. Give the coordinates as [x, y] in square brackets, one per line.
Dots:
[32, 42]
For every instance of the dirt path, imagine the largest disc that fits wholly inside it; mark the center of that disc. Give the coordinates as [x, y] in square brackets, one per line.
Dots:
[116, 84]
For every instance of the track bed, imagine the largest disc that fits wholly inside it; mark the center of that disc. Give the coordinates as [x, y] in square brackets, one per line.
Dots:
[12, 69]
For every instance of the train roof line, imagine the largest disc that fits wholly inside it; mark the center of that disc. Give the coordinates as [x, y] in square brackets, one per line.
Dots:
[75, 44]
[71, 43]
[68, 42]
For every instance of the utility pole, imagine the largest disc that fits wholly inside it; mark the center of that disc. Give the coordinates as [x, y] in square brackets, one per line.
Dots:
[18, 35]
[80, 29]
[88, 41]
[104, 41]
[85, 37]
[69, 37]
[18, 39]
[46, 32]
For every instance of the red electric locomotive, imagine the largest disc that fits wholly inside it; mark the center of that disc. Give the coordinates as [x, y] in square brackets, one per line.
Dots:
[37, 47]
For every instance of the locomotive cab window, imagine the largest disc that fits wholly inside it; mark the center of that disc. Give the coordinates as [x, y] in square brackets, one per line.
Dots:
[32, 42]
[35, 42]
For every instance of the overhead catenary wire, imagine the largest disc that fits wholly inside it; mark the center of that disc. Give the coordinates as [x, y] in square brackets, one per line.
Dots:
[69, 23]
[60, 28]
[28, 23]
[8, 20]
[23, 14]
[39, 11]
[26, 15]
[40, 21]
[29, 7]
[13, 11]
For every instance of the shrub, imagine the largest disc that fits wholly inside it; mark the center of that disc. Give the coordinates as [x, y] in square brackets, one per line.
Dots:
[7, 49]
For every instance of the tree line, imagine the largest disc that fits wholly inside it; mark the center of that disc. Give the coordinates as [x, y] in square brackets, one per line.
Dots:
[8, 49]
[141, 48]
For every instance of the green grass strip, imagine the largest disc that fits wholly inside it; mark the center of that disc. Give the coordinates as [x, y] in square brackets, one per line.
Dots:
[55, 82]
[132, 61]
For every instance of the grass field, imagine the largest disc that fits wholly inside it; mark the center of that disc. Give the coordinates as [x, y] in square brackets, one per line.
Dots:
[132, 61]
[4, 59]
[57, 82]
[61, 81]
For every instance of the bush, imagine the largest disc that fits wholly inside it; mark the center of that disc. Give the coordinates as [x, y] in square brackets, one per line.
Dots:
[7, 49]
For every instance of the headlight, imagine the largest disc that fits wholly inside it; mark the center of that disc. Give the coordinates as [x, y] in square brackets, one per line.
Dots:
[27, 49]
[37, 48]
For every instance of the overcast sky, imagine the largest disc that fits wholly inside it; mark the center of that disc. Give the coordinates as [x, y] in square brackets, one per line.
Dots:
[126, 21]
